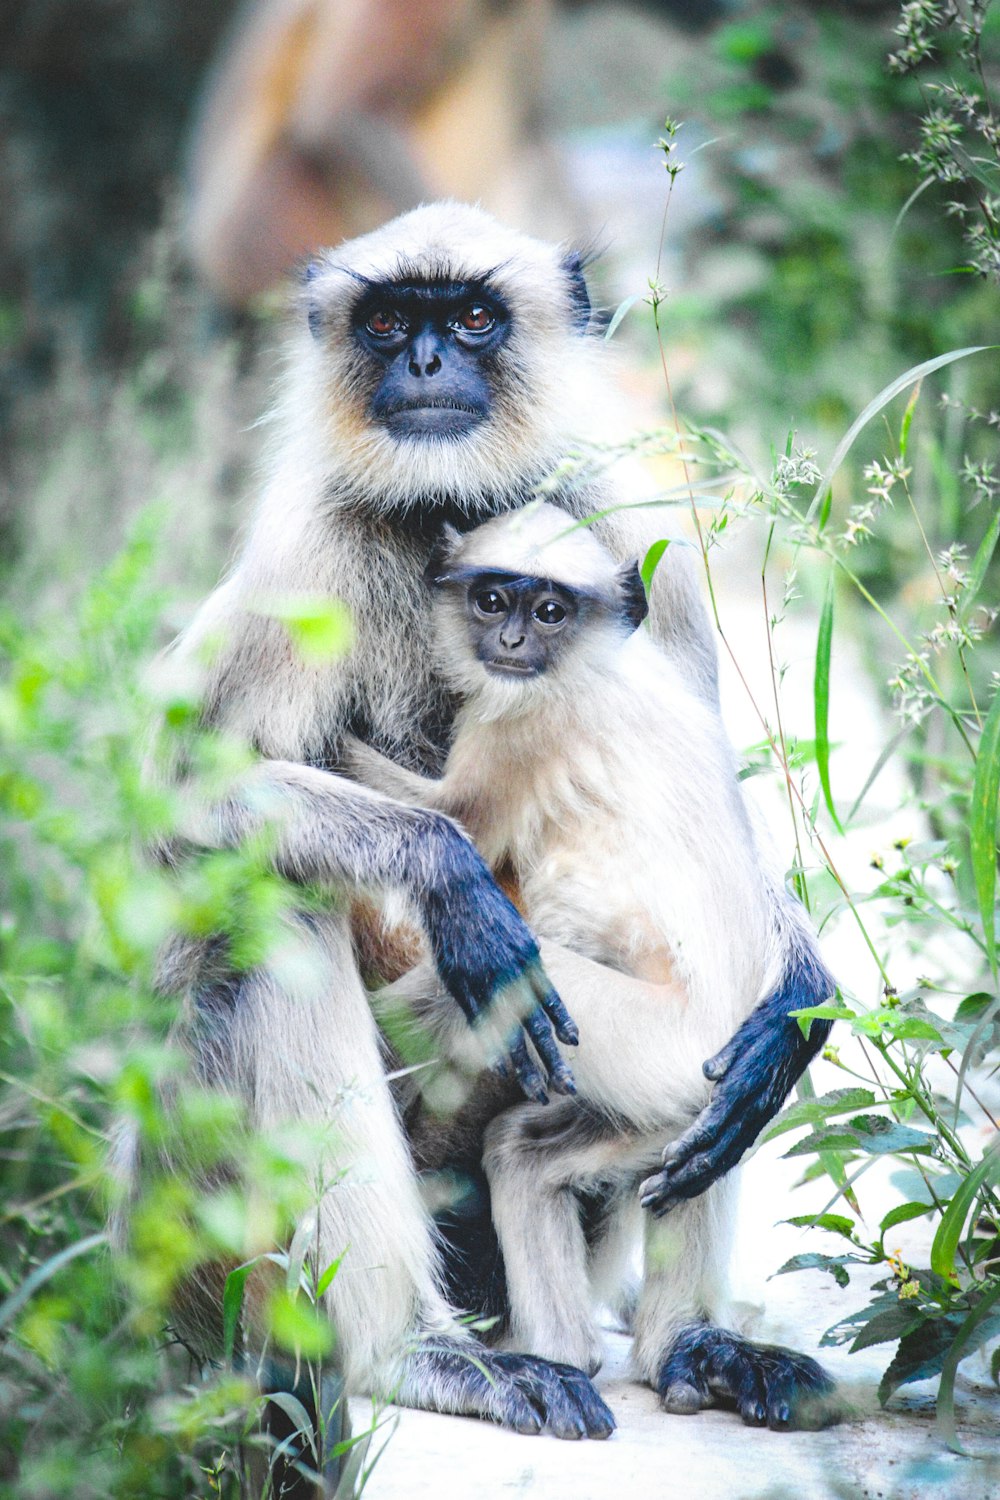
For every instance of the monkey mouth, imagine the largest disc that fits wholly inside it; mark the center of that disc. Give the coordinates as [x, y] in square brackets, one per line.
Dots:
[440, 417]
[504, 667]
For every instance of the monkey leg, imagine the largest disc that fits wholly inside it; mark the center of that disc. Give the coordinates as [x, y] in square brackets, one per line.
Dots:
[300, 1044]
[534, 1157]
[681, 1350]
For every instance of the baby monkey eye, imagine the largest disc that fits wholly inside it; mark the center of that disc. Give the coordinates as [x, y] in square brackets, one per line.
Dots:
[476, 318]
[549, 612]
[489, 602]
[383, 321]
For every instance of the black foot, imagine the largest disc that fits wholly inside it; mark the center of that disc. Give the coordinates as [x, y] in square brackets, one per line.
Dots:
[765, 1383]
[516, 1390]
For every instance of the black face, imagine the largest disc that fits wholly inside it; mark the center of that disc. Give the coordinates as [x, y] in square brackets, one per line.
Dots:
[432, 346]
[519, 626]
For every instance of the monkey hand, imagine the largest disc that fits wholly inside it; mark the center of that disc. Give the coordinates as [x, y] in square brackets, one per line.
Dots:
[489, 963]
[752, 1075]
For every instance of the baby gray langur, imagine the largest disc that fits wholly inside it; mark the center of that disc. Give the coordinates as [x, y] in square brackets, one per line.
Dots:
[604, 792]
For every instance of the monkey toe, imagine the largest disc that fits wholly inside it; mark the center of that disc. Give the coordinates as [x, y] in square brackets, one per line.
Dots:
[682, 1400]
[564, 1397]
[767, 1385]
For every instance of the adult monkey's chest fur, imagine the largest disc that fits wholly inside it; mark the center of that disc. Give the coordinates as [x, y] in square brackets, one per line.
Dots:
[395, 698]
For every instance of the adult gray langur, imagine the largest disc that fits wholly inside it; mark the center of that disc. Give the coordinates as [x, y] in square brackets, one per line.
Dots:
[440, 370]
[605, 791]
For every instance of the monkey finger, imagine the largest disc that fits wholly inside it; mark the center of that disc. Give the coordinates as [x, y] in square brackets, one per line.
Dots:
[560, 1076]
[716, 1067]
[565, 1027]
[531, 1081]
[695, 1138]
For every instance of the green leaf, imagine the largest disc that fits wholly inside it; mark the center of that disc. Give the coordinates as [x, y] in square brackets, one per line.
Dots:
[835, 1223]
[299, 1326]
[321, 628]
[817, 1111]
[885, 395]
[868, 1133]
[327, 1277]
[821, 699]
[949, 1231]
[901, 1213]
[904, 426]
[985, 1010]
[893, 1322]
[651, 561]
[621, 311]
[232, 1306]
[920, 1354]
[981, 1324]
[302, 1241]
[297, 1415]
[811, 1261]
[829, 1010]
[983, 825]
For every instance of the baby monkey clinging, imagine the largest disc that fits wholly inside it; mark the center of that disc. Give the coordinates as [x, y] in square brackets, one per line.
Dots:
[602, 791]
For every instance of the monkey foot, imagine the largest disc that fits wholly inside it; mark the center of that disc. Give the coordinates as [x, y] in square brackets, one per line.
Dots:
[516, 1390]
[766, 1384]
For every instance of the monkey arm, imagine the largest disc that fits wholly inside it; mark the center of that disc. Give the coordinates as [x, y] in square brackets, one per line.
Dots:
[332, 832]
[374, 770]
[753, 1074]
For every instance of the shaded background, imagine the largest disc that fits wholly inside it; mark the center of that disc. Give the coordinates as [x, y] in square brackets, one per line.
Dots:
[130, 372]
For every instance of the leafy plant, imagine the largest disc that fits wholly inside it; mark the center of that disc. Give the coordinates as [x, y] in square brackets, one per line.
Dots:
[97, 1397]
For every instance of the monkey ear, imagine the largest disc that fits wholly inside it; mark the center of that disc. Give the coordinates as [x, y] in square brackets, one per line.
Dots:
[635, 607]
[442, 552]
[314, 317]
[573, 265]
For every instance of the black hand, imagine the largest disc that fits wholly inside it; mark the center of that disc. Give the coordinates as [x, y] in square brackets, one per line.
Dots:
[753, 1074]
[487, 958]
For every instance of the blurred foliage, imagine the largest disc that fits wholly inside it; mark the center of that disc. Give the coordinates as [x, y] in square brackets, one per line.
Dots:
[91, 1076]
[818, 278]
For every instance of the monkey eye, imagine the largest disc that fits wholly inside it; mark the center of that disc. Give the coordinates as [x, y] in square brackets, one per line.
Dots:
[384, 321]
[549, 612]
[489, 602]
[475, 318]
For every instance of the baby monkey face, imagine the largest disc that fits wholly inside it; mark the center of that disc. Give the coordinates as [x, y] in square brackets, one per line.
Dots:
[519, 626]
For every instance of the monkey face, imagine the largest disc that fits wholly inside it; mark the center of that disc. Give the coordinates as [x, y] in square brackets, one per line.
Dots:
[430, 350]
[518, 627]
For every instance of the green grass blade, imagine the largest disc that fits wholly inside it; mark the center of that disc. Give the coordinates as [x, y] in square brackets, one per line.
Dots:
[983, 826]
[949, 1231]
[821, 700]
[888, 751]
[887, 394]
[621, 311]
[232, 1304]
[10, 1308]
[981, 561]
[963, 1345]
[652, 561]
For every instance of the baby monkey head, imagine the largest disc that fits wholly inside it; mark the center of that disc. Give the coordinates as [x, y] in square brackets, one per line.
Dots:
[529, 603]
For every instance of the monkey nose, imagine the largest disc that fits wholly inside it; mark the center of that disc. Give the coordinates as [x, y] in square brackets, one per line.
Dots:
[425, 355]
[509, 643]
